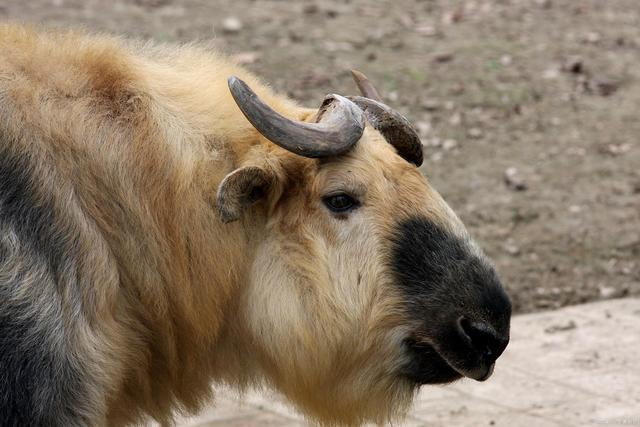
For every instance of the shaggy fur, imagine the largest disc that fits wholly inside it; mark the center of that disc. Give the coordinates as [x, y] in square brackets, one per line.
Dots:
[123, 294]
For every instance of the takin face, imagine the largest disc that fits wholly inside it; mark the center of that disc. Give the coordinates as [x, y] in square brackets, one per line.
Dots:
[364, 284]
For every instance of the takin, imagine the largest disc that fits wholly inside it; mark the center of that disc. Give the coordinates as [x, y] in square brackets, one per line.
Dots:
[168, 223]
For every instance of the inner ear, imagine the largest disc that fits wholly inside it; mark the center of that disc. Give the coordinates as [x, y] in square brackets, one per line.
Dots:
[240, 189]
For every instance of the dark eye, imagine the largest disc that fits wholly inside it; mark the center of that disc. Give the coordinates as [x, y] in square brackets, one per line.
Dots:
[340, 202]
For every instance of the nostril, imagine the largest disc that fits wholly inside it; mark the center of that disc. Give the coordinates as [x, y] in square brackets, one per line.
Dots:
[483, 338]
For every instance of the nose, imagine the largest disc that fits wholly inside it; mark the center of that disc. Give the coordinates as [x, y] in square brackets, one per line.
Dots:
[483, 338]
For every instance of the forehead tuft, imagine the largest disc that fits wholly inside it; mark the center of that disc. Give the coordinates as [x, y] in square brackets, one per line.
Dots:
[372, 153]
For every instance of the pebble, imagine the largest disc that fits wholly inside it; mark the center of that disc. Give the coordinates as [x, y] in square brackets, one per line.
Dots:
[332, 46]
[550, 74]
[443, 57]
[573, 64]
[511, 248]
[310, 9]
[475, 133]
[449, 144]
[430, 105]
[607, 292]
[244, 58]
[592, 37]
[231, 25]
[513, 180]
[423, 127]
[603, 87]
[616, 149]
[562, 327]
[427, 30]
[434, 142]
[331, 13]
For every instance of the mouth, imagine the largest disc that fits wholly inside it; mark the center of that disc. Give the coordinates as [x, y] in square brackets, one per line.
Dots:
[427, 365]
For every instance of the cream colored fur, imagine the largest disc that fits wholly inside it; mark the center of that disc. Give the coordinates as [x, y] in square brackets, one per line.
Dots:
[131, 142]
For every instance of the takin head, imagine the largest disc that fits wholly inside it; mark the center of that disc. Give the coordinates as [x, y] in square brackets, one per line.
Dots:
[364, 285]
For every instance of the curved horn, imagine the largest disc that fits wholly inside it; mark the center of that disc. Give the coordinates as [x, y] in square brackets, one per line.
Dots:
[395, 128]
[339, 125]
[366, 88]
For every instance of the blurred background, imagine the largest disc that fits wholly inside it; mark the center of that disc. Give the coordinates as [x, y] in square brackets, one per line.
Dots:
[528, 109]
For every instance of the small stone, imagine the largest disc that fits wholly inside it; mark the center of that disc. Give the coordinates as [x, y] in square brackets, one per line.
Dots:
[332, 13]
[550, 74]
[332, 46]
[555, 121]
[423, 127]
[244, 58]
[513, 180]
[427, 30]
[449, 144]
[453, 16]
[592, 37]
[575, 209]
[457, 89]
[406, 21]
[310, 9]
[231, 25]
[455, 119]
[573, 64]
[607, 292]
[372, 56]
[442, 57]
[616, 149]
[430, 105]
[398, 44]
[434, 142]
[603, 87]
[296, 36]
[511, 248]
[506, 60]
[561, 327]
[475, 133]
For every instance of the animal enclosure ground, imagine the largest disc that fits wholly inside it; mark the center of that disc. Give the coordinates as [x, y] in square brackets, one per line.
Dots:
[529, 109]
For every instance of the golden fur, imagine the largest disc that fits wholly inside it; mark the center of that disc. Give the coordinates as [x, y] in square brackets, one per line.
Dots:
[131, 142]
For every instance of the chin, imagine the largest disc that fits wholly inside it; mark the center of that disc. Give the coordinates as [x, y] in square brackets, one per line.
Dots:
[427, 366]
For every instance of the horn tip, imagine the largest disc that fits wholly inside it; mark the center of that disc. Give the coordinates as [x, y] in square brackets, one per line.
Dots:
[357, 74]
[233, 81]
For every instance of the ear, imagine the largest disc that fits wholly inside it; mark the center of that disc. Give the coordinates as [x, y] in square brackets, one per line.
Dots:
[242, 188]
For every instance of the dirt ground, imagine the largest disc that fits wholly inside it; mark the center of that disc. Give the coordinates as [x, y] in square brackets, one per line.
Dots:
[528, 109]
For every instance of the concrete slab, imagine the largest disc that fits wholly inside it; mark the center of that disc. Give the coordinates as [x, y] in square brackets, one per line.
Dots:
[570, 367]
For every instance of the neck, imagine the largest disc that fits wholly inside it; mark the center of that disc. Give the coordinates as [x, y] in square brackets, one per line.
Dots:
[180, 269]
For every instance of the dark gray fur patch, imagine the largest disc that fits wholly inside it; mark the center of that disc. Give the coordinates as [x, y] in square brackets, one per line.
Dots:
[39, 383]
